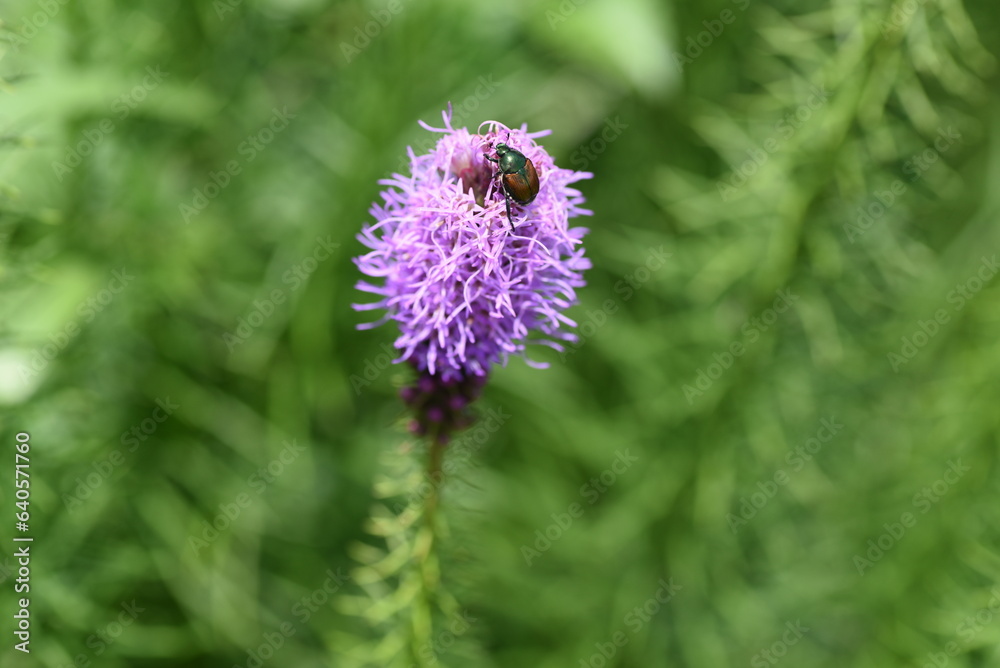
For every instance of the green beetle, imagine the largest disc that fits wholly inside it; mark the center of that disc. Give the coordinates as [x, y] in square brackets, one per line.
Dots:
[517, 176]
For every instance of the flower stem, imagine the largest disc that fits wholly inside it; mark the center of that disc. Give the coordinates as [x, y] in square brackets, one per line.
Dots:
[434, 474]
[426, 557]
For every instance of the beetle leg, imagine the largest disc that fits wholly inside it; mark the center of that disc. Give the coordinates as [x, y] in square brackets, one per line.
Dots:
[506, 200]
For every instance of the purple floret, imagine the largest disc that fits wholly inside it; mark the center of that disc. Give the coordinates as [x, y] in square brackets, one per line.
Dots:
[465, 289]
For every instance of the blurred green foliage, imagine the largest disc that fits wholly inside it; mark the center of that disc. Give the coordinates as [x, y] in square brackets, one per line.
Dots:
[180, 186]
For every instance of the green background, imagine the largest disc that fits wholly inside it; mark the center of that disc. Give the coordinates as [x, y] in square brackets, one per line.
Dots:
[719, 499]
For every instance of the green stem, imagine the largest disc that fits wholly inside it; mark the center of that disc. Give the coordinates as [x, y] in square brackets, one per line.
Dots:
[425, 554]
[436, 456]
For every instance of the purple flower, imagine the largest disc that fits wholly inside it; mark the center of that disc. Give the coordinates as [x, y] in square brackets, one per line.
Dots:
[465, 289]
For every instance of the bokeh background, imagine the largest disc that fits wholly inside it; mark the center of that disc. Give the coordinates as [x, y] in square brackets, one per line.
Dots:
[775, 443]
